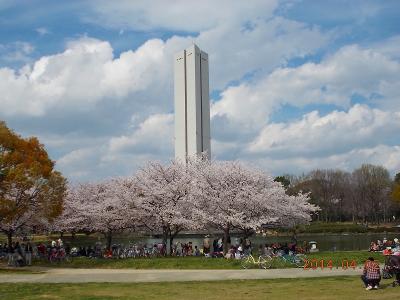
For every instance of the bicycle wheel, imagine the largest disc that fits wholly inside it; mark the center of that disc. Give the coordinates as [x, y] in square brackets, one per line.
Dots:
[283, 261]
[299, 260]
[247, 262]
[265, 261]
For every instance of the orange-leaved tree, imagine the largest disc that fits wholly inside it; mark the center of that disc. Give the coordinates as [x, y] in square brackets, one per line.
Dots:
[31, 191]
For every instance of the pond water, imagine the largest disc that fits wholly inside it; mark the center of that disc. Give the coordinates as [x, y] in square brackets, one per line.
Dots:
[325, 242]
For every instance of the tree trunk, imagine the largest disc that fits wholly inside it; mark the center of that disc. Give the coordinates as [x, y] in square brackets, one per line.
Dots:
[9, 239]
[226, 238]
[172, 236]
[171, 241]
[165, 237]
[108, 236]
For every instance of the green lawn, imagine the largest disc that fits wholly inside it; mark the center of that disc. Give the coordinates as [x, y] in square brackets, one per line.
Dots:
[310, 288]
[146, 263]
[342, 256]
[202, 263]
[18, 271]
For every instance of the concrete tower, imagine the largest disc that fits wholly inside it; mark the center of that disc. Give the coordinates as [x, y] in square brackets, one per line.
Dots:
[192, 103]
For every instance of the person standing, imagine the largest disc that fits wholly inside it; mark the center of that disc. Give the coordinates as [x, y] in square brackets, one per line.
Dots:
[10, 252]
[247, 246]
[206, 245]
[19, 258]
[371, 274]
[220, 245]
[28, 254]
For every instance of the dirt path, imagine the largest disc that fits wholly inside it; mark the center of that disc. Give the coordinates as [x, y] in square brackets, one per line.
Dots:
[126, 275]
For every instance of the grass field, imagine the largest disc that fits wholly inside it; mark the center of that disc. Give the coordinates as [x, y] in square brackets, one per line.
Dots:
[18, 271]
[147, 263]
[310, 288]
[337, 259]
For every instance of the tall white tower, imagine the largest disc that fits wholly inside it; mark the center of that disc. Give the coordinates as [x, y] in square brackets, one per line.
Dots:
[192, 103]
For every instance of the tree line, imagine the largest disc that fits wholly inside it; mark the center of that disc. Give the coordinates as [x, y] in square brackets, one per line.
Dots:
[168, 198]
[368, 194]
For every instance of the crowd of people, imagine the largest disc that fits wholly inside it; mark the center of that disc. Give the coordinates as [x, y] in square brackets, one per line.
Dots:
[20, 254]
[17, 254]
[243, 247]
[386, 246]
[371, 273]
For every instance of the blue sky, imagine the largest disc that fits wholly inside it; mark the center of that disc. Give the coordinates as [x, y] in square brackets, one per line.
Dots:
[295, 85]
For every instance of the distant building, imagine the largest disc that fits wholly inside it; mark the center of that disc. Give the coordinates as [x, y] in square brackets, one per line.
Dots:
[192, 103]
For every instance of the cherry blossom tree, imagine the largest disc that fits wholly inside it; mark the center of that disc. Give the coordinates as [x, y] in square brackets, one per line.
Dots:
[74, 218]
[228, 195]
[178, 196]
[163, 198]
[104, 207]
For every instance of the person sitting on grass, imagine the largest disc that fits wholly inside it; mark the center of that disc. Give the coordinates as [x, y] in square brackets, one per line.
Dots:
[108, 253]
[373, 247]
[387, 251]
[196, 251]
[396, 243]
[371, 274]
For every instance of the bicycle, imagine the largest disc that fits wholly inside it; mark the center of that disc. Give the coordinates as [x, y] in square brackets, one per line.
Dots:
[264, 261]
[295, 259]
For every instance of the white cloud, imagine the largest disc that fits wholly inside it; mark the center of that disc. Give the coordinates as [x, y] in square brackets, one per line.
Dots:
[153, 135]
[351, 71]
[335, 133]
[389, 47]
[240, 38]
[121, 155]
[258, 47]
[179, 15]
[75, 156]
[85, 73]
[384, 155]
[16, 52]
[42, 31]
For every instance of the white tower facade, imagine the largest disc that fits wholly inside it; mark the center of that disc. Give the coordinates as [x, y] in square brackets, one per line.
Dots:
[192, 103]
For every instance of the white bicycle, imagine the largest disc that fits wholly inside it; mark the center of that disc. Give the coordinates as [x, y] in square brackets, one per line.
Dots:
[263, 262]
